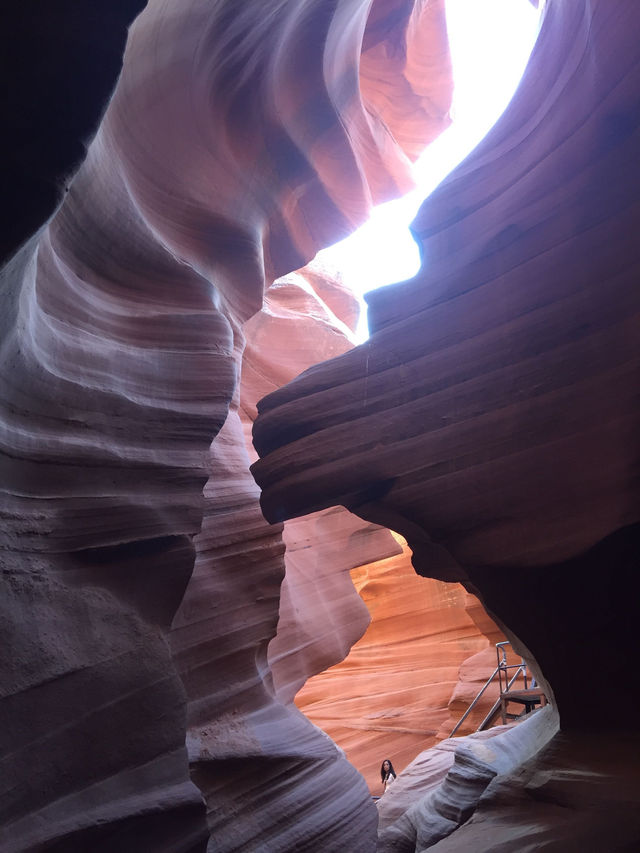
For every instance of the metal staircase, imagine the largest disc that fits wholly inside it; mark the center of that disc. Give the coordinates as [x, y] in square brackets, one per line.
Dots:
[529, 696]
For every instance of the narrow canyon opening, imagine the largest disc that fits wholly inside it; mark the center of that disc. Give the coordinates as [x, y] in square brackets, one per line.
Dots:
[490, 42]
[156, 632]
[424, 669]
[430, 646]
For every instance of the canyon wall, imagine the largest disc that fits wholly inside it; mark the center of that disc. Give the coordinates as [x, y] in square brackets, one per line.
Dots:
[402, 686]
[492, 418]
[398, 692]
[238, 142]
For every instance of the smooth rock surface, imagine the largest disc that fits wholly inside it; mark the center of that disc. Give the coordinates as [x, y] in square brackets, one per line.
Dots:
[392, 696]
[235, 146]
[320, 613]
[442, 788]
[421, 630]
[492, 418]
[579, 793]
[244, 644]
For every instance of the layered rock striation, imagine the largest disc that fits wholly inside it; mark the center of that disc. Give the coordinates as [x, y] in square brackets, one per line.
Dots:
[257, 620]
[442, 789]
[309, 316]
[237, 142]
[492, 418]
[393, 695]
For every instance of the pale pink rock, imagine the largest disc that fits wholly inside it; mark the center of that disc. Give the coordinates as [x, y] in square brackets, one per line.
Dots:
[391, 698]
[321, 615]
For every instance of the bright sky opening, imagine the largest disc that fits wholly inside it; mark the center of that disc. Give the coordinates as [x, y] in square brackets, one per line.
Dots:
[490, 42]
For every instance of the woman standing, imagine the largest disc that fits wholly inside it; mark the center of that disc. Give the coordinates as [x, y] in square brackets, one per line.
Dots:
[387, 773]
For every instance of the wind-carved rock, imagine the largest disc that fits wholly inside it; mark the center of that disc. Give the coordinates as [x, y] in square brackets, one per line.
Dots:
[237, 627]
[236, 144]
[492, 418]
[321, 614]
[392, 693]
[392, 696]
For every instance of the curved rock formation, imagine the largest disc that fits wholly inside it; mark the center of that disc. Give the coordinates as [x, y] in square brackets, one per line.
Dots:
[578, 793]
[320, 613]
[493, 416]
[240, 678]
[442, 788]
[236, 144]
[392, 696]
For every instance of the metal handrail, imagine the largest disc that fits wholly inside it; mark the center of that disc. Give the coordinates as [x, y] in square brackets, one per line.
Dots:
[502, 666]
[474, 703]
[490, 715]
[496, 704]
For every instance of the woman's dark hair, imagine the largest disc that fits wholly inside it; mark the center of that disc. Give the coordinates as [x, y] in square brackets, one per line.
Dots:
[391, 770]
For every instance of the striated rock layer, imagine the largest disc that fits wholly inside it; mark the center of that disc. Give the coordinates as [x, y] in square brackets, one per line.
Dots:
[391, 697]
[398, 689]
[223, 633]
[443, 787]
[493, 416]
[236, 144]
[320, 613]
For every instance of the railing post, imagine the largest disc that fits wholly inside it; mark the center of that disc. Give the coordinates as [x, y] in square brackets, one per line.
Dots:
[503, 666]
[474, 703]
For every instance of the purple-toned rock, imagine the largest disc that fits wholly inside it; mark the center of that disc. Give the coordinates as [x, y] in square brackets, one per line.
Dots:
[492, 418]
[236, 144]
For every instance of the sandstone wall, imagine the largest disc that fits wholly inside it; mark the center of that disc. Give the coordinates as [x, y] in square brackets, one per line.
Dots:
[398, 690]
[492, 418]
[391, 698]
[236, 144]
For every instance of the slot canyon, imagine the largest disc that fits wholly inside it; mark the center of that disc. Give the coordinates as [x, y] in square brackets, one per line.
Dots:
[200, 471]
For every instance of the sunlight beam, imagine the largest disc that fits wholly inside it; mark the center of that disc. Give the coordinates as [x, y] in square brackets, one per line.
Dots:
[490, 42]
